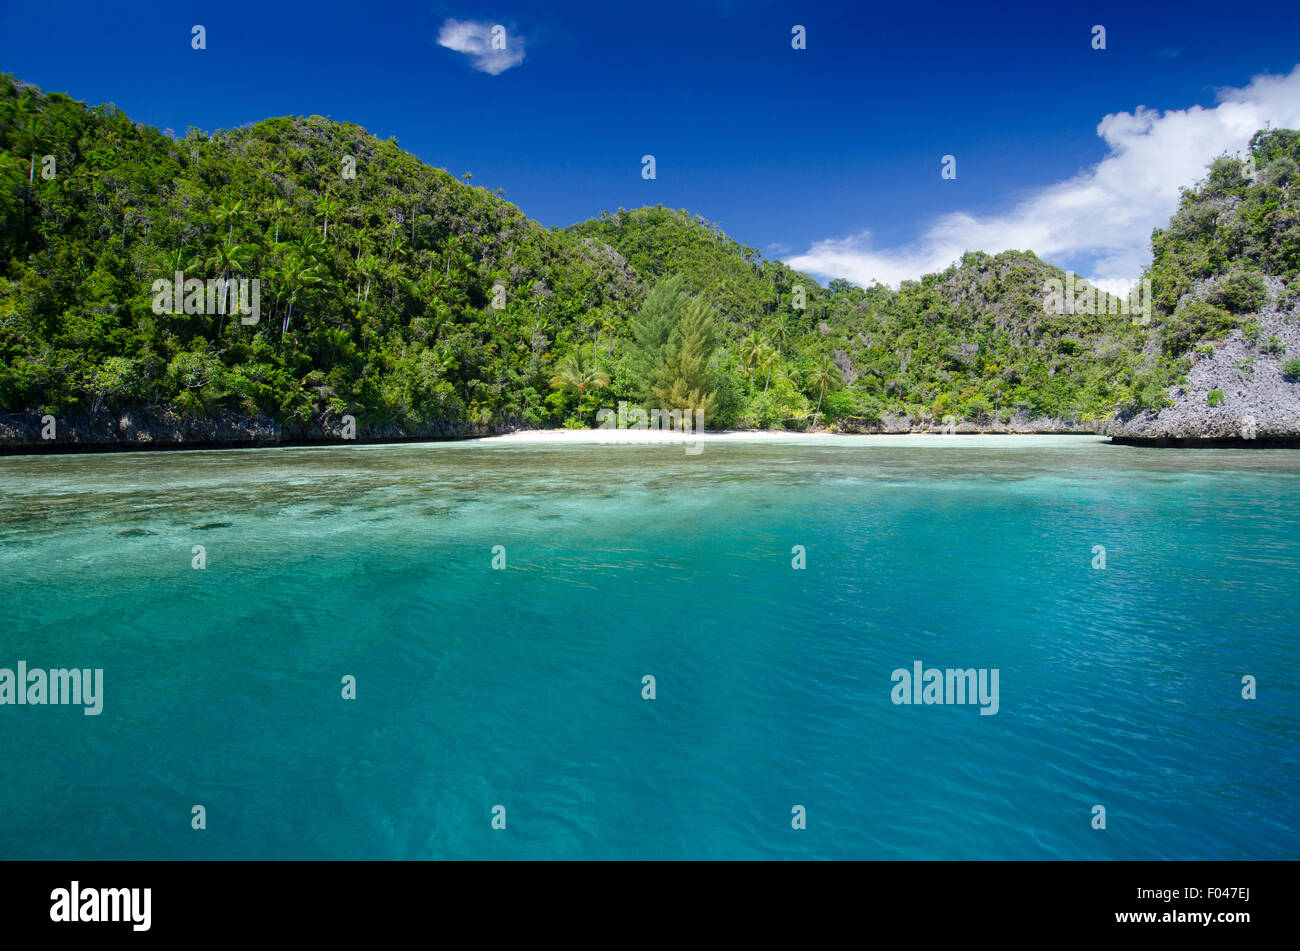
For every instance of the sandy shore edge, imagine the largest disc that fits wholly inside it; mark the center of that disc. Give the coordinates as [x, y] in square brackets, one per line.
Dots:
[647, 437]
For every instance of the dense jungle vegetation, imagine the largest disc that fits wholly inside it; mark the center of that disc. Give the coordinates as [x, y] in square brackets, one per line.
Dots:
[402, 293]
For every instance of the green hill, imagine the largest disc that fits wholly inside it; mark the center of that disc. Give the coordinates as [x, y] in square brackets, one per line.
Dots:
[418, 304]
[1226, 275]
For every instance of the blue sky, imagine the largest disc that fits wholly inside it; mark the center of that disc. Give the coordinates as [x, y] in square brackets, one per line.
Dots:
[828, 157]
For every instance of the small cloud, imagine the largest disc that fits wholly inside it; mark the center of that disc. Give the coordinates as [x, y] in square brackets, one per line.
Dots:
[474, 39]
[1169, 53]
[778, 248]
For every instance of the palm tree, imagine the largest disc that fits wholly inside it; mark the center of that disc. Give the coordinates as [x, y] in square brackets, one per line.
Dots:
[462, 261]
[599, 322]
[452, 251]
[228, 214]
[781, 334]
[30, 128]
[279, 208]
[370, 266]
[458, 270]
[226, 259]
[397, 243]
[415, 213]
[178, 260]
[574, 374]
[327, 206]
[751, 348]
[11, 176]
[765, 361]
[296, 275]
[30, 131]
[311, 248]
[824, 375]
[395, 275]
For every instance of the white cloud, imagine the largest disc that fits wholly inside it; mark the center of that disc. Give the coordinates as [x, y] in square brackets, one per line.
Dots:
[1099, 222]
[474, 39]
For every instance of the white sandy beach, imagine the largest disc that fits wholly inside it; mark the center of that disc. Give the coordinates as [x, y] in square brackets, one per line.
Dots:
[651, 437]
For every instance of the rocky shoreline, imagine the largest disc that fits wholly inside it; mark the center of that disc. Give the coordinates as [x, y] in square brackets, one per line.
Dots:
[156, 429]
[1184, 425]
[20, 434]
[146, 431]
[1019, 424]
[1237, 391]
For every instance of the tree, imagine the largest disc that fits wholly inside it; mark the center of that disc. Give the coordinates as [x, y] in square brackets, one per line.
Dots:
[10, 179]
[227, 215]
[652, 330]
[279, 208]
[178, 259]
[685, 377]
[751, 349]
[31, 129]
[370, 268]
[575, 373]
[766, 360]
[781, 334]
[297, 274]
[312, 248]
[454, 254]
[226, 259]
[823, 376]
[327, 206]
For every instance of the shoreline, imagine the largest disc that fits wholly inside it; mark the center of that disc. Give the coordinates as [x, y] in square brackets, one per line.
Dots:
[154, 430]
[692, 443]
[649, 437]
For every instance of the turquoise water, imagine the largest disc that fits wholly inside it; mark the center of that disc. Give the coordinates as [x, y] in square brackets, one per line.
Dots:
[522, 687]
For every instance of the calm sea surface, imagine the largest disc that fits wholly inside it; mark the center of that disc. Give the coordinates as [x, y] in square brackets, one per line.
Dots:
[522, 687]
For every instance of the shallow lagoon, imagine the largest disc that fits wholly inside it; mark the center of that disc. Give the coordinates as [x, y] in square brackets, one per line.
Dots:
[522, 687]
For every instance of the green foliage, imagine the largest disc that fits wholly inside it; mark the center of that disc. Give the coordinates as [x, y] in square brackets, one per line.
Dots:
[378, 293]
[652, 332]
[1214, 398]
[375, 291]
[674, 339]
[822, 376]
[578, 374]
[1240, 293]
[1197, 321]
[1233, 228]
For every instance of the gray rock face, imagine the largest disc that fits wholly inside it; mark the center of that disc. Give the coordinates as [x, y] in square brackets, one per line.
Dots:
[845, 366]
[1253, 399]
[163, 429]
[1020, 423]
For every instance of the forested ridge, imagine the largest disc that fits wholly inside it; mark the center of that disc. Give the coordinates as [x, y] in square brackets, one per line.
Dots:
[418, 302]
